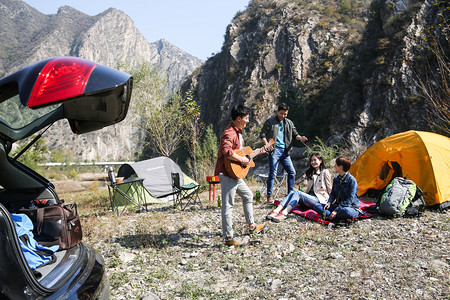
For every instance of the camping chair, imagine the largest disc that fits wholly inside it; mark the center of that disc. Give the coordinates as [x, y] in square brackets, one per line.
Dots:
[130, 191]
[279, 183]
[187, 192]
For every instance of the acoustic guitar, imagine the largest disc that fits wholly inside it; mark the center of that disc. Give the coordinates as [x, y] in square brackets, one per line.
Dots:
[235, 169]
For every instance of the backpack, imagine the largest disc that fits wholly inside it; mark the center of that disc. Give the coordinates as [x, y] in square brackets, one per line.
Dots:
[35, 254]
[402, 197]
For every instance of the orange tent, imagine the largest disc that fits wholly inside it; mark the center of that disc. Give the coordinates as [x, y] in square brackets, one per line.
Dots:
[423, 157]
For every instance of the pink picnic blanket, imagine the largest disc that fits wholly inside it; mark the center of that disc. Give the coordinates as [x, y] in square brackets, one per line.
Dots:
[312, 215]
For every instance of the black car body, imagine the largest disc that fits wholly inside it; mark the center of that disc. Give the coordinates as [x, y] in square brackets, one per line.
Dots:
[90, 97]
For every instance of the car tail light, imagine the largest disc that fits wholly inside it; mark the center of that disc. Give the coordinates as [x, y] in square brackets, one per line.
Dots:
[61, 78]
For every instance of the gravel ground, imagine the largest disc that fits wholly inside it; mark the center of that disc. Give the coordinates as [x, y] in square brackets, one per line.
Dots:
[177, 254]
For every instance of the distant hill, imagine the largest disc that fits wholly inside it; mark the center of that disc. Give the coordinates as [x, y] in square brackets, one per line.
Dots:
[109, 38]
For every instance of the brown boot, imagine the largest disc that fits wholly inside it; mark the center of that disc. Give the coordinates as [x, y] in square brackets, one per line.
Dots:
[234, 242]
[269, 199]
[257, 228]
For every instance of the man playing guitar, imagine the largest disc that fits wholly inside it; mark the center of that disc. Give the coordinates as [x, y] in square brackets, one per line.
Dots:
[232, 140]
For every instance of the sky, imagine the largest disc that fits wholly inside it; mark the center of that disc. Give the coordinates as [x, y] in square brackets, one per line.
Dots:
[195, 26]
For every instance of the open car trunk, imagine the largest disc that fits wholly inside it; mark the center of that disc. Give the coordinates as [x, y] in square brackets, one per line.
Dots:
[90, 97]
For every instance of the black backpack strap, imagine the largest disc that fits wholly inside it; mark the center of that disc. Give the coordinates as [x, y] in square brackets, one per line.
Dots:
[412, 212]
[417, 202]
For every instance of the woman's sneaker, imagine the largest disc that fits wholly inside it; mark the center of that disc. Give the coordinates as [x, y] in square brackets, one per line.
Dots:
[271, 215]
[280, 217]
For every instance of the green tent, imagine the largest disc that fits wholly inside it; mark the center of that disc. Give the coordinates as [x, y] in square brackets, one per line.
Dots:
[156, 179]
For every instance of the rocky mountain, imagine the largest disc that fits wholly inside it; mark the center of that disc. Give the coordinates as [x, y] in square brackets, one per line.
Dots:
[109, 38]
[346, 68]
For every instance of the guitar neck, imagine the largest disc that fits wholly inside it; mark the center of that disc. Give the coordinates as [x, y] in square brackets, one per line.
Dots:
[259, 150]
[255, 153]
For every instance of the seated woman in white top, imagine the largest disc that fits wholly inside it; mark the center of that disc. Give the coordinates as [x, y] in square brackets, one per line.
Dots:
[318, 190]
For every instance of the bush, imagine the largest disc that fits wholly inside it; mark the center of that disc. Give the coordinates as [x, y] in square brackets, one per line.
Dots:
[329, 153]
[206, 154]
[34, 155]
[73, 173]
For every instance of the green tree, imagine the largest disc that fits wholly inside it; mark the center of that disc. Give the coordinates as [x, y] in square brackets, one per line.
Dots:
[57, 156]
[164, 127]
[434, 83]
[345, 7]
[158, 113]
[34, 156]
[68, 156]
[167, 118]
[194, 129]
[206, 154]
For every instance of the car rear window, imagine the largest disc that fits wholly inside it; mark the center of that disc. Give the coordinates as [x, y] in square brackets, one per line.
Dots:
[16, 116]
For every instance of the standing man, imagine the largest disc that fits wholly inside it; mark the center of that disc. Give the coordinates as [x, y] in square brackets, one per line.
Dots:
[231, 140]
[283, 131]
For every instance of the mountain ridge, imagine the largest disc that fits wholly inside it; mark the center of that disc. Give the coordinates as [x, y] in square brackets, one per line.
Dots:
[71, 32]
[109, 38]
[347, 68]
[339, 65]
